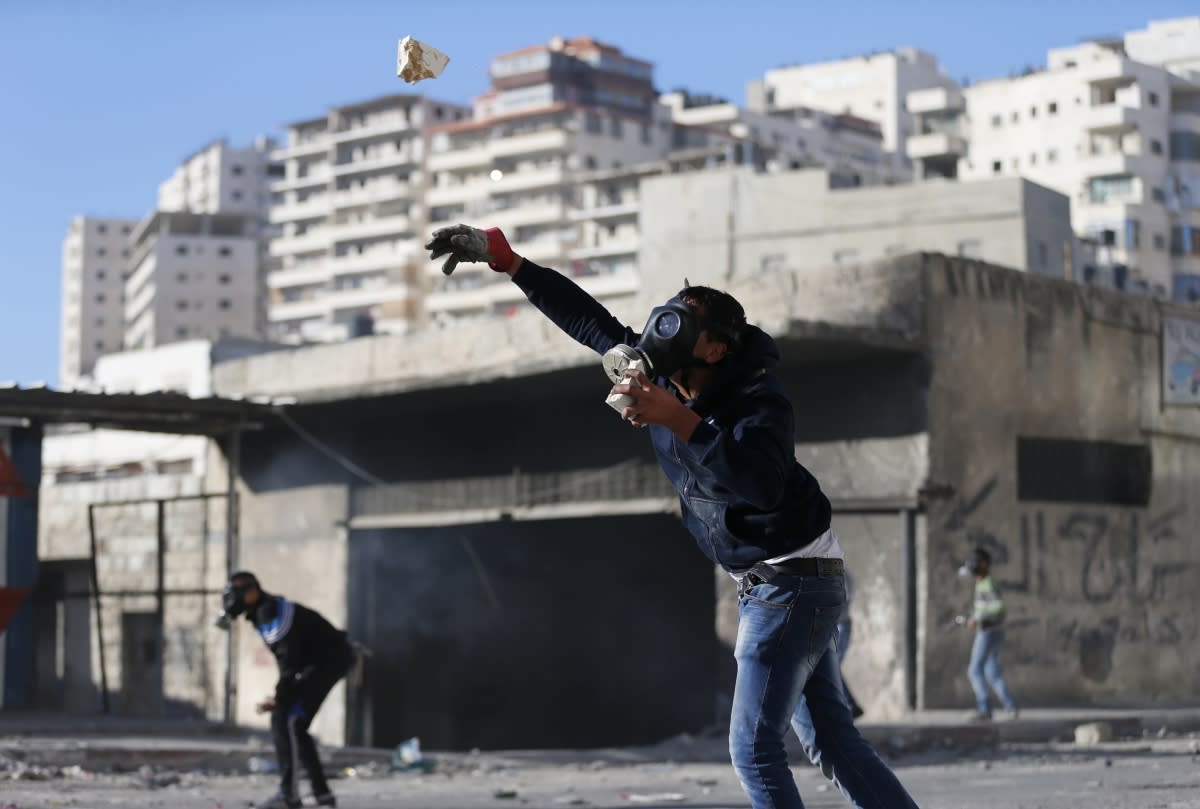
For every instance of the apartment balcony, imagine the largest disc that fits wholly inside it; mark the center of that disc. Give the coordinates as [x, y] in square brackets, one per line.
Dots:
[299, 276]
[1185, 122]
[604, 212]
[528, 179]
[935, 144]
[380, 259]
[509, 219]
[1111, 118]
[370, 229]
[475, 157]
[312, 208]
[542, 251]
[384, 126]
[624, 282]
[297, 310]
[380, 191]
[474, 298]
[457, 194]
[935, 99]
[314, 240]
[376, 163]
[308, 149]
[549, 140]
[314, 177]
[618, 246]
[364, 297]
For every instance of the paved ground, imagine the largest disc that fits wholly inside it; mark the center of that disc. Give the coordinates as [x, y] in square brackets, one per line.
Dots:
[1161, 773]
[52, 761]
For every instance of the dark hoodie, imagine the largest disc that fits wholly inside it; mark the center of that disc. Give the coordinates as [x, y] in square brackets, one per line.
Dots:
[302, 641]
[744, 496]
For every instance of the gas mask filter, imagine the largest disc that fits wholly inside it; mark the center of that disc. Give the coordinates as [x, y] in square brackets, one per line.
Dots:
[233, 604]
[664, 347]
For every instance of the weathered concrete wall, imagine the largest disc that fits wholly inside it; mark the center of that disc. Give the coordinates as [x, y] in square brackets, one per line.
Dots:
[293, 541]
[1103, 595]
[190, 659]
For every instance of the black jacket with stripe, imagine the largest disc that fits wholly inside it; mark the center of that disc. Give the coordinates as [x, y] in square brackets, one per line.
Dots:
[302, 641]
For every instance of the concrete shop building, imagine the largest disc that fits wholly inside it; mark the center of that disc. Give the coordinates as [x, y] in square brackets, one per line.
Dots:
[1115, 125]
[714, 226]
[94, 254]
[350, 221]
[192, 276]
[873, 87]
[943, 403]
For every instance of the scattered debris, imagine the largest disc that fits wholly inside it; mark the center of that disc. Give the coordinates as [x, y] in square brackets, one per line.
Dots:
[157, 780]
[407, 756]
[260, 765]
[505, 794]
[416, 61]
[1093, 733]
[655, 797]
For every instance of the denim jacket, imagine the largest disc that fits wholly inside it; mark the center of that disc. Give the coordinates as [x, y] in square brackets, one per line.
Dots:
[744, 497]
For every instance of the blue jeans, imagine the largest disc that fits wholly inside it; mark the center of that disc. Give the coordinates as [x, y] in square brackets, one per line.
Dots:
[787, 672]
[985, 668]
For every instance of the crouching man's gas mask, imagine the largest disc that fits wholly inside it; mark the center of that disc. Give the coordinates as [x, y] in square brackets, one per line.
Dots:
[664, 347]
[233, 604]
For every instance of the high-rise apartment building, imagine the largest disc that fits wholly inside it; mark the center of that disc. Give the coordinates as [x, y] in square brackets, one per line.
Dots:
[1118, 135]
[350, 221]
[95, 252]
[220, 178]
[553, 113]
[191, 276]
[872, 87]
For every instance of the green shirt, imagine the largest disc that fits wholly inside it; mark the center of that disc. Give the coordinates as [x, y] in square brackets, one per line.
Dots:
[989, 609]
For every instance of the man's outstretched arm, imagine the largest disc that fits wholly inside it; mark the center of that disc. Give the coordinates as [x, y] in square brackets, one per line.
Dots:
[560, 299]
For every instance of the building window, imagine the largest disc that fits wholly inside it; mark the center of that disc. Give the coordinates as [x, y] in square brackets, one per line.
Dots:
[236, 170]
[1110, 189]
[1016, 163]
[1052, 108]
[970, 248]
[182, 277]
[225, 303]
[645, 134]
[181, 250]
[181, 305]
[224, 250]
[102, 229]
[589, 162]
[1160, 241]
[100, 297]
[1043, 255]
[1033, 112]
[1033, 158]
[236, 194]
[1052, 156]
[1133, 234]
[593, 124]
[1152, 98]
[1155, 146]
[1158, 195]
[845, 258]
[125, 229]
[100, 251]
[1185, 145]
[997, 121]
[99, 345]
[181, 331]
[100, 275]
[1016, 116]
[224, 278]
[997, 167]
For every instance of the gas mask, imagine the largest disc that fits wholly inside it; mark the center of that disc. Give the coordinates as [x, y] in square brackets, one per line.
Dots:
[665, 346]
[233, 604]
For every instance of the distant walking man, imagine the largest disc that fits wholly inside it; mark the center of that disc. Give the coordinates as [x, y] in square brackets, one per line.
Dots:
[987, 619]
[312, 657]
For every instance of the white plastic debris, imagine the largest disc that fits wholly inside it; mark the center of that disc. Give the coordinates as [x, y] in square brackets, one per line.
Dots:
[416, 61]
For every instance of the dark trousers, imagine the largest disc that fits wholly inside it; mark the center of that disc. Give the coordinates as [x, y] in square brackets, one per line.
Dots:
[294, 747]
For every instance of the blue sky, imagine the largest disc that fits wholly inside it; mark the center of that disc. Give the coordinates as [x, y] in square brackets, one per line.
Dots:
[102, 98]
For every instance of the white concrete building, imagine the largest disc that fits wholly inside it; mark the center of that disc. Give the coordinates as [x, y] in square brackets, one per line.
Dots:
[191, 276]
[350, 219]
[801, 220]
[220, 178]
[94, 255]
[1119, 136]
[553, 113]
[873, 87]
